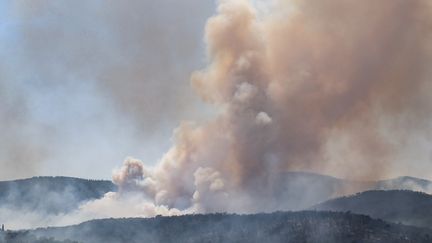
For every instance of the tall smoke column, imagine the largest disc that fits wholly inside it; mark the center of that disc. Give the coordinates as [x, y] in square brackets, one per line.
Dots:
[292, 84]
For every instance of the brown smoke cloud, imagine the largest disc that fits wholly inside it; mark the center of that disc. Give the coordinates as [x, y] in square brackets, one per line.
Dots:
[339, 87]
[302, 87]
[291, 83]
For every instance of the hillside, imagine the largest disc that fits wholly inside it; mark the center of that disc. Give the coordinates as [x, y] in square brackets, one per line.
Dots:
[51, 194]
[407, 207]
[290, 191]
[296, 227]
[404, 183]
[27, 237]
[301, 190]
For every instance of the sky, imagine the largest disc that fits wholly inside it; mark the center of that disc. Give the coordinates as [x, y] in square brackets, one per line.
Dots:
[85, 84]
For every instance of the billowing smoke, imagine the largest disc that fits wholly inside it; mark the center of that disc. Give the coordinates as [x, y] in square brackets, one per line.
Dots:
[334, 85]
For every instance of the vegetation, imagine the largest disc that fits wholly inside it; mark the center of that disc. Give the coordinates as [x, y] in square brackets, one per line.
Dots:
[26, 237]
[407, 207]
[309, 226]
[295, 191]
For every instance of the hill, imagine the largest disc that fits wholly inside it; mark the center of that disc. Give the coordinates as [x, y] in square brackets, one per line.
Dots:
[407, 207]
[404, 183]
[27, 237]
[301, 190]
[51, 195]
[289, 191]
[305, 226]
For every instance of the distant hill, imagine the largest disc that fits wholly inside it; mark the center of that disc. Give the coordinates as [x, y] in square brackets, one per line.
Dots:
[404, 183]
[407, 207]
[289, 191]
[51, 194]
[288, 227]
[301, 190]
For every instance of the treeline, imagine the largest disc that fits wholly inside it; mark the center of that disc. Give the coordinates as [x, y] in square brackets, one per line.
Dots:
[26, 237]
[407, 207]
[309, 226]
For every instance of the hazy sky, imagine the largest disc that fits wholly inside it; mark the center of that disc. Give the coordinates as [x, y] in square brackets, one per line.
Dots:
[84, 84]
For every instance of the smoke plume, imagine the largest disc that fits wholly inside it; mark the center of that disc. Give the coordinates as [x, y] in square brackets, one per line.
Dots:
[331, 86]
[338, 87]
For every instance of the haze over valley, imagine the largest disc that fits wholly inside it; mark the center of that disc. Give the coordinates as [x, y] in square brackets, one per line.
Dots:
[216, 121]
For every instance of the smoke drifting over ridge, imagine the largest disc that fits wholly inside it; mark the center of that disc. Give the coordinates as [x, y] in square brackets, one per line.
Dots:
[339, 87]
[303, 88]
